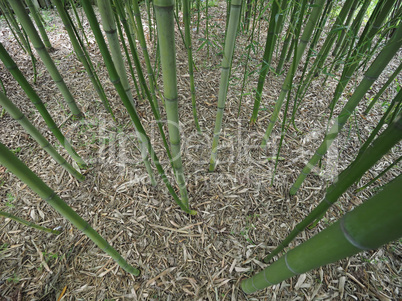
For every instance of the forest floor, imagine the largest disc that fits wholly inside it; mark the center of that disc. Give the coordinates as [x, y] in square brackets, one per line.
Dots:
[241, 216]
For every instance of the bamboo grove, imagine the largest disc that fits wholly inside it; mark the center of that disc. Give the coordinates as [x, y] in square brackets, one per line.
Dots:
[355, 40]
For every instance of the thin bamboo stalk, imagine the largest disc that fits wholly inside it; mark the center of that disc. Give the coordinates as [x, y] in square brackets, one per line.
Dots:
[230, 39]
[39, 24]
[141, 38]
[187, 33]
[29, 224]
[15, 113]
[26, 22]
[383, 88]
[68, 25]
[275, 21]
[18, 168]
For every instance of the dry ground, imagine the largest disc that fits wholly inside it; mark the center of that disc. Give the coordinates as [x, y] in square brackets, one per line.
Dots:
[240, 217]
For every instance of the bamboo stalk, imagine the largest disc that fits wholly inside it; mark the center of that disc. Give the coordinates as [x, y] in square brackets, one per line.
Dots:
[18, 168]
[164, 11]
[29, 224]
[308, 30]
[15, 113]
[230, 39]
[187, 33]
[68, 25]
[26, 22]
[39, 24]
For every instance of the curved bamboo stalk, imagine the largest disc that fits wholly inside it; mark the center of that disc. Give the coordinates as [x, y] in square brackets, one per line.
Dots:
[389, 138]
[13, 68]
[225, 70]
[27, 24]
[165, 25]
[29, 224]
[371, 75]
[18, 168]
[34, 132]
[374, 223]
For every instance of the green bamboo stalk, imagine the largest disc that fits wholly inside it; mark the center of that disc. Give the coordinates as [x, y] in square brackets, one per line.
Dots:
[380, 146]
[130, 35]
[352, 34]
[15, 113]
[275, 21]
[30, 92]
[369, 226]
[392, 165]
[27, 24]
[248, 47]
[288, 35]
[141, 38]
[165, 25]
[187, 33]
[395, 104]
[225, 70]
[383, 88]
[109, 27]
[13, 25]
[29, 224]
[382, 60]
[150, 25]
[316, 37]
[198, 14]
[19, 34]
[308, 30]
[39, 24]
[346, 27]
[68, 25]
[114, 78]
[80, 27]
[297, 31]
[18, 168]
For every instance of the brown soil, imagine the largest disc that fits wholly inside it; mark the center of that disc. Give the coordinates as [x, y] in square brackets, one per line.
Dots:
[241, 216]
